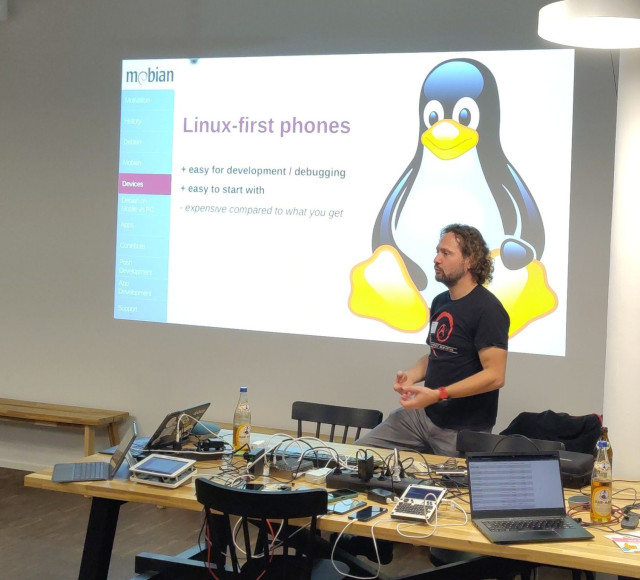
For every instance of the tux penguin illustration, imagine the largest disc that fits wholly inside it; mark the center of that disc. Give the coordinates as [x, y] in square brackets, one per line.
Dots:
[459, 174]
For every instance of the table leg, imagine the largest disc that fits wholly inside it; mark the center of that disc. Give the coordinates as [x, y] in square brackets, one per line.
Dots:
[114, 437]
[89, 440]
[98, 543]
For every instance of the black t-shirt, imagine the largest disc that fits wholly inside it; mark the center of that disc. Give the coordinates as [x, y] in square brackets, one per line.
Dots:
[458, 329]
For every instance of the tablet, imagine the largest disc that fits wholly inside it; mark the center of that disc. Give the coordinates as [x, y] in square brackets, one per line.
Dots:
[170, 482]
[162, 466]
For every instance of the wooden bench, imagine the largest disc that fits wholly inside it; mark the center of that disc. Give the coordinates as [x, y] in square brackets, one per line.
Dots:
[65, 416]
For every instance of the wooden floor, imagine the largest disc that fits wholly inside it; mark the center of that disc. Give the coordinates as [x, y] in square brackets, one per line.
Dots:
[42, 534]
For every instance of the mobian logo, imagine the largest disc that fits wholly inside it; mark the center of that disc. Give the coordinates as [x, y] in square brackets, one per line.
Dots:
[149, 76]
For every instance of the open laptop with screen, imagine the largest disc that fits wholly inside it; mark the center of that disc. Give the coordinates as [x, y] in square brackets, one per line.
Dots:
[96, 470]
[518, 497]
[165, 435]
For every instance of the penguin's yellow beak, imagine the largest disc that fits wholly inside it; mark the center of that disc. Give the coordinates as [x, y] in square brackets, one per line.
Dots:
[448, 139]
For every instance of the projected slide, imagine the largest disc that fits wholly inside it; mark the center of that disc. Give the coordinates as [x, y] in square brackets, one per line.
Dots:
[305, 194]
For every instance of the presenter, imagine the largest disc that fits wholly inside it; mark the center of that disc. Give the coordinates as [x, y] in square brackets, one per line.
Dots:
[467, 359]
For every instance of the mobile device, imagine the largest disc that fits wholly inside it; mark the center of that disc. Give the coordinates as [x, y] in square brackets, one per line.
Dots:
[340, 494]
[344, 506]
[368, 513]
[254, 486]
[276, 487]
[162, 466]
[164, 471]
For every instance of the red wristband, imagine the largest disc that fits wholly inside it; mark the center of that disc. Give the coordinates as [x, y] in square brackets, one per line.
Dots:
[442, 392]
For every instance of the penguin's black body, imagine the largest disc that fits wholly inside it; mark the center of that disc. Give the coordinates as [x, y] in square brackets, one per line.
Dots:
[460, 170]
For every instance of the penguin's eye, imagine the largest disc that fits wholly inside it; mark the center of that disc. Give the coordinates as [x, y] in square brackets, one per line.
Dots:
[433, 112]
[466, 112]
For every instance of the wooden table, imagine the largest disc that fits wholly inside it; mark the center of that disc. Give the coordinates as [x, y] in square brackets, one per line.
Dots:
[598, 555]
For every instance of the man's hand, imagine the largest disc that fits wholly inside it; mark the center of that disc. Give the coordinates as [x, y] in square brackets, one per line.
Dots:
[402, 381]
[418, 397]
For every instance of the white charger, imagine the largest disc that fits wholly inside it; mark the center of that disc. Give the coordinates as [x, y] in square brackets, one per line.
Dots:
[317, 475]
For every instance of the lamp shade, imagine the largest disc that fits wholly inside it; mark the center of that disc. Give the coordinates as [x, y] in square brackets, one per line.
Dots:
[591, 23]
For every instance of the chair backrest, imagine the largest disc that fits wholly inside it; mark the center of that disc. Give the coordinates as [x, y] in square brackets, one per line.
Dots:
[468, 441]
[260, 508]
[334, 415]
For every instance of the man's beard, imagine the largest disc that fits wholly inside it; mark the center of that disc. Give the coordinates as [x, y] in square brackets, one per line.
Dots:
[451, 279]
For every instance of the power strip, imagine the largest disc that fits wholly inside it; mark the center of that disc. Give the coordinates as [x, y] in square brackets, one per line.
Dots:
[351, 480]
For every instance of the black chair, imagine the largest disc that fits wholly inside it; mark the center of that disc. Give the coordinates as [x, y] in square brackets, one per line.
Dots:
[334, 415]
[279, 551]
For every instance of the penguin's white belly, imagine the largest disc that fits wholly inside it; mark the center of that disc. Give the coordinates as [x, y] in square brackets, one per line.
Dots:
[445, 192]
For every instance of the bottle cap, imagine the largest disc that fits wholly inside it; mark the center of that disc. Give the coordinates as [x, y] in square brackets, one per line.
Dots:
[243, 389]
[603, 444]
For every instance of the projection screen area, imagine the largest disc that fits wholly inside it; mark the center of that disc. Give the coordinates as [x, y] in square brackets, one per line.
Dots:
[305, 194]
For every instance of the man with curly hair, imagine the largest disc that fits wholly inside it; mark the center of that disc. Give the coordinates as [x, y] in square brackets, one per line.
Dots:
[466, 363]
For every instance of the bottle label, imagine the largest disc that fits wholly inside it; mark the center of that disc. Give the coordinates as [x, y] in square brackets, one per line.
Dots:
[241, 436]
[601, 500]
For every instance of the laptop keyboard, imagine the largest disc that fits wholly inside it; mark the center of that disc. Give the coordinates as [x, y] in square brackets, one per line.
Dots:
[90, 470]
[510, 525]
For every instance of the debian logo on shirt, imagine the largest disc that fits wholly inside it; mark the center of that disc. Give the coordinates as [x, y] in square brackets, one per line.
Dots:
[441, 329]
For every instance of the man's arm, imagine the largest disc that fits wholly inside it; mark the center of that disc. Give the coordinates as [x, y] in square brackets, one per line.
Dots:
[494, 365]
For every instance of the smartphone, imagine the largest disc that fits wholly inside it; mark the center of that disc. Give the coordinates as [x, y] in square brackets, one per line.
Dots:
[368, 513]
[340, 494]
[344, 506]
[276, 487]
[254, 486]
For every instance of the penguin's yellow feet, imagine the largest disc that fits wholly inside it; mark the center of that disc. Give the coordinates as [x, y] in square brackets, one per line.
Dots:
[382, 289]
[525, 293]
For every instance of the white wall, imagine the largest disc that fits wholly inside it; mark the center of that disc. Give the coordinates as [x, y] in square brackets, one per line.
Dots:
[622, 397]
[59, 120]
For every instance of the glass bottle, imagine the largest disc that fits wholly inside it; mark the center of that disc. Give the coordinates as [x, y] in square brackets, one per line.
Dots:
[601, 479]
[604, 436]
[242, 422]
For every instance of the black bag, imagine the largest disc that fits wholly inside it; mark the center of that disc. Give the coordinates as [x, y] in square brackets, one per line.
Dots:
[575, 468]
[578, 433]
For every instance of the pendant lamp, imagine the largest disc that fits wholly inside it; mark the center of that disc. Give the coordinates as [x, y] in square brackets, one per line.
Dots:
[591, 23]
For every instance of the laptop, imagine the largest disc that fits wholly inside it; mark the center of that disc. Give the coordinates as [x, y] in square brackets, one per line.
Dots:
[518, 497]
[165, 435]
[96, 470]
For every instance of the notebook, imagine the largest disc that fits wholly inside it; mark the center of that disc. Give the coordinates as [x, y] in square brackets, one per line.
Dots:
[96, 470]
[165, 434]
[518, 497]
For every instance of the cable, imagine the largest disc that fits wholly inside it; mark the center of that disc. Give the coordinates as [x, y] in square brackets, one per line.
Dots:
[283, 446]
[434, 517]
[209, 546]
[375, 547]
[177, 445]
[514, 436]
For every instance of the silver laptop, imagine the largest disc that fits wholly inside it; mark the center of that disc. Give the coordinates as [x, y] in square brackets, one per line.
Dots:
[96, 470]
[518, 497]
